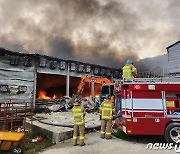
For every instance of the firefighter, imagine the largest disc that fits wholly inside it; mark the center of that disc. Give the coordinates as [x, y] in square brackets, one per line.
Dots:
[129, 71]
[116, 93]
[107, 111]
[79, 122]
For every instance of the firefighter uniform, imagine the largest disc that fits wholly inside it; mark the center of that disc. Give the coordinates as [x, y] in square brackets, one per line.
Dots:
[79, 123]
[107, 111]
[129, 71]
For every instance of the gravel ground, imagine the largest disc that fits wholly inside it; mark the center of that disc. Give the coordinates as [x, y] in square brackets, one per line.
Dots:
[96, 145]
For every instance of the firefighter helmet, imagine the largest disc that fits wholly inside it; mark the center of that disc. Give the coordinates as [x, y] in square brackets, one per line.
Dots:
[129, 61]
[77, 101]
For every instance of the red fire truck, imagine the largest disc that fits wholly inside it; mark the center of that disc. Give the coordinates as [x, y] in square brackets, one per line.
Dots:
[150, 107]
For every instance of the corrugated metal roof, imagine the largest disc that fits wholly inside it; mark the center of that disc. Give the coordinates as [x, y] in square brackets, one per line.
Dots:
[3, 51]
[173, 44]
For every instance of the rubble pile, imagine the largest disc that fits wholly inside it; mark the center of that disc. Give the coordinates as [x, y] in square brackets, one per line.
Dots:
[64, 104]
[56, 105]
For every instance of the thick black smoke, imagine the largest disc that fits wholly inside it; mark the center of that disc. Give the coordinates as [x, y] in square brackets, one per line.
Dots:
[105, 32]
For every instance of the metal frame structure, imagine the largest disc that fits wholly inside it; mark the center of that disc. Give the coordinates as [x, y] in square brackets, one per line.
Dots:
[13, 116]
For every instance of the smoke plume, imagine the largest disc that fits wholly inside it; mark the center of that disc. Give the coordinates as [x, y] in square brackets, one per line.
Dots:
[104, 32]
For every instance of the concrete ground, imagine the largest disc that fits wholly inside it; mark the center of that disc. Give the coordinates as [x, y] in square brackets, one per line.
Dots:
[47, 127]
[96, 145]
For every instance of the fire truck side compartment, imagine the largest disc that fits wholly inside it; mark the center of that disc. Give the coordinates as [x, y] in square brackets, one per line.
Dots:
[145, 110]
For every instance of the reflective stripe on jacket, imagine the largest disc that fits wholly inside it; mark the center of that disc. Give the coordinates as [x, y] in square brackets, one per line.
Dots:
[128, 71]
[78, 114]
[107, 110]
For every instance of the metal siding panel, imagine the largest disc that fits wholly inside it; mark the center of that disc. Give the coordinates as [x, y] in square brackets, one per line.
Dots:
[13, 94]
[50, 71]
[15, 76]
[12, 75]
[58, 72]
[174, 58]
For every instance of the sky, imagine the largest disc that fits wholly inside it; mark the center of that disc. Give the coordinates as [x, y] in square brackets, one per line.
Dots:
[105, 32]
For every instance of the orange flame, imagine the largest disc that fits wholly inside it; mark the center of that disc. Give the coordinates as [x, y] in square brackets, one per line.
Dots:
[42, 95]
[96, 95]
[54, 96]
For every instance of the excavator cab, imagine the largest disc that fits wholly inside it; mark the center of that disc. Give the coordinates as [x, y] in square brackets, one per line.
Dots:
[114, 90]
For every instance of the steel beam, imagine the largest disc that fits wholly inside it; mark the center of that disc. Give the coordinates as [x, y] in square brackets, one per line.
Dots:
[67, 79]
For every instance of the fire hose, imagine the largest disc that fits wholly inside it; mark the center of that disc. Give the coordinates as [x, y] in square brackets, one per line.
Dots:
[66, 125]
[113, 123]
[115, 117]
[54, 124]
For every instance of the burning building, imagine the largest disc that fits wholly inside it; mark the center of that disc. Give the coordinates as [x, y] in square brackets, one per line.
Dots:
[28, 77]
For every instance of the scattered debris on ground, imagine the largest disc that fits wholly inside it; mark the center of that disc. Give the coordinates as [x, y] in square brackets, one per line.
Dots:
[66, 118]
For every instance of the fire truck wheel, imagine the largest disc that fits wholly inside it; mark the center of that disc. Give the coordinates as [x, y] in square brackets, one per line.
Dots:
[172, 132]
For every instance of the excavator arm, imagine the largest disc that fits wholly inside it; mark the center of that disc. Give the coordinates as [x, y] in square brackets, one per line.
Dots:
[81, 84]
[86, 79]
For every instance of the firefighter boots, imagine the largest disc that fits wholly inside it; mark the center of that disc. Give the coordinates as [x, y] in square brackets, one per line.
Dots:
[103, 127]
